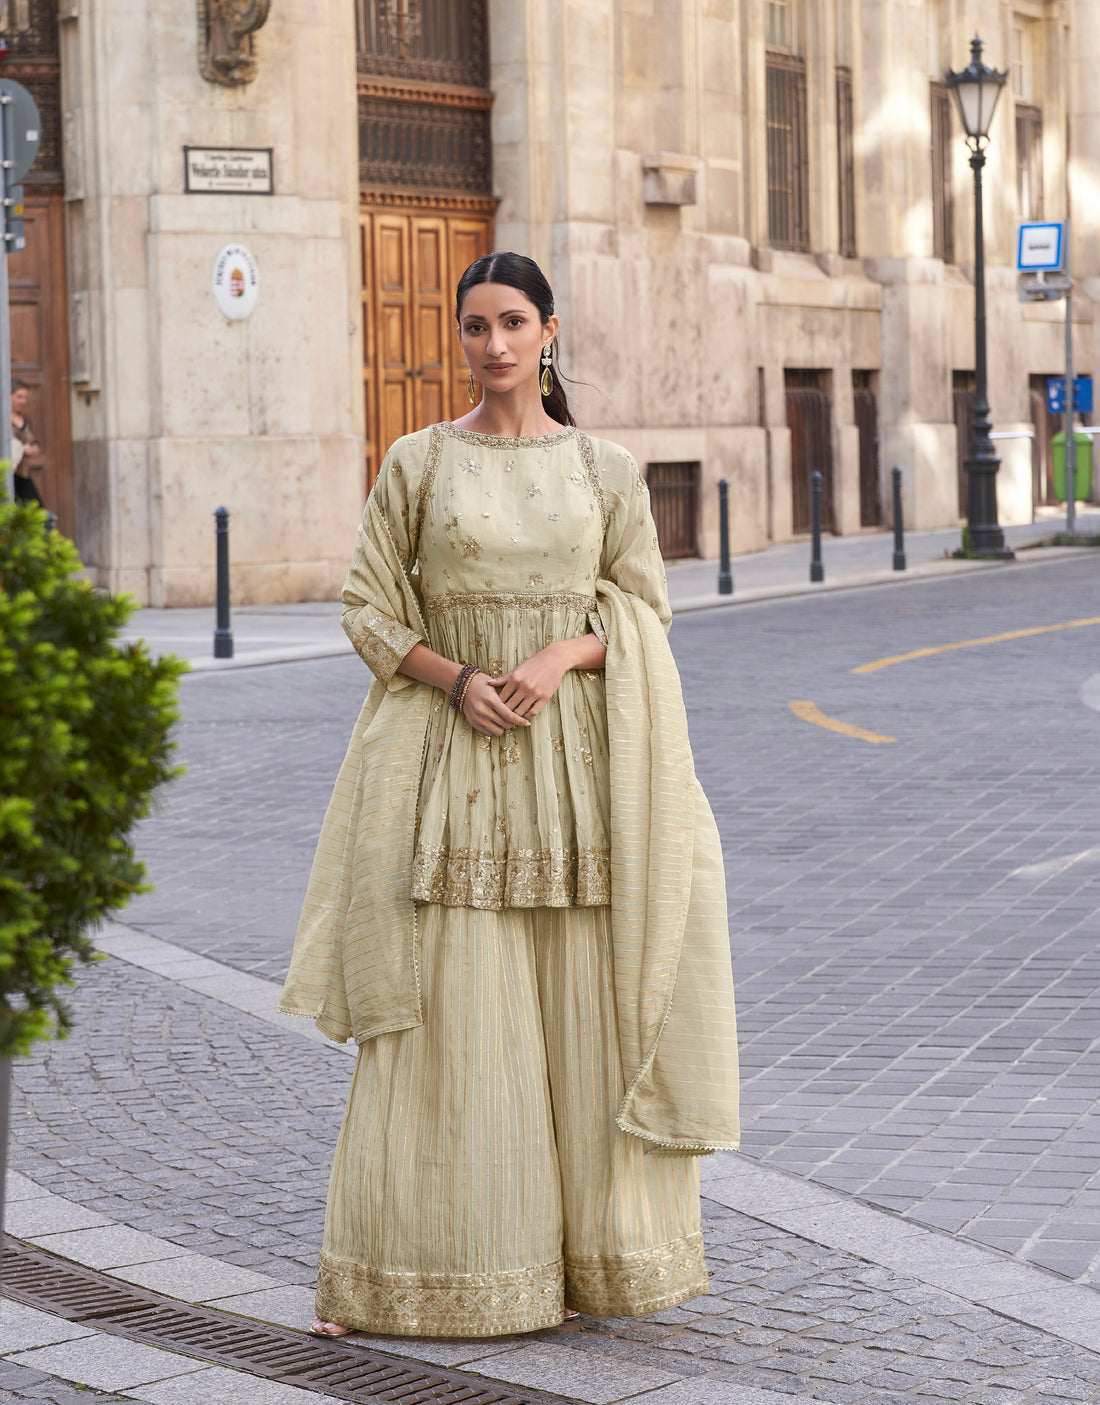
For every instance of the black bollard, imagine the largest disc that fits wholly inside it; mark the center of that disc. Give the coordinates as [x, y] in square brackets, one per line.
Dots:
[725, 576]
[899, 524]
[817, 568]
[223, 635]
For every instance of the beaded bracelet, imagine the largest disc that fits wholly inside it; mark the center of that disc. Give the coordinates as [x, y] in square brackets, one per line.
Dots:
[462, 683]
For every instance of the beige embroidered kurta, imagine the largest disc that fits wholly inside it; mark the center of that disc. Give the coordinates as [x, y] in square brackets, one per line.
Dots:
[484, 548]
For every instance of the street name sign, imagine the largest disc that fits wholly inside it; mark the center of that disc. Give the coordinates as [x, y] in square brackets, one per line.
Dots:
[228, 170]
[1040, 247]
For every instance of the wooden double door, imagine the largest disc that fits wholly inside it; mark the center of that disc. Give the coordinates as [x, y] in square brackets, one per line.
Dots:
[414, 373]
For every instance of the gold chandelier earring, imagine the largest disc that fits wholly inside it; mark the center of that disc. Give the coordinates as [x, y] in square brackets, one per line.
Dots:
[546, 381]
[470, 389]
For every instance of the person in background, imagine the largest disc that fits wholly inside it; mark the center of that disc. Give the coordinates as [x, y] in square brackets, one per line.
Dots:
[26, 453]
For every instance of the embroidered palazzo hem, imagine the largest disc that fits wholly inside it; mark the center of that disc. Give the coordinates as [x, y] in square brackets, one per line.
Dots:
[524, 1300]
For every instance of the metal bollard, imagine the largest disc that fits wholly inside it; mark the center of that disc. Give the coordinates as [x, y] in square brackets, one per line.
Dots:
[899, 523]
[725, 576]
[223, 635]
[817, 567]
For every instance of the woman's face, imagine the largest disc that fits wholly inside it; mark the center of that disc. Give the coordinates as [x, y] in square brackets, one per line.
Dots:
[503, 335]
[19, 399]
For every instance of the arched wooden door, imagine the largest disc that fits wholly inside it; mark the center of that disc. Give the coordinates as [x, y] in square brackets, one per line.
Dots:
[426, 208]
[39, 325]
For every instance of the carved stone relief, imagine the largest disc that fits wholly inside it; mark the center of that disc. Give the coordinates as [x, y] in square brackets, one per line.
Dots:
[226, 28]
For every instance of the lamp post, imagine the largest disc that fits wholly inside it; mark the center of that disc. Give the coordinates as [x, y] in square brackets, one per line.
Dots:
[976, 91]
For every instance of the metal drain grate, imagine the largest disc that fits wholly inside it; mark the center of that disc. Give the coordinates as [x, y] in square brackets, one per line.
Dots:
[349, 1372]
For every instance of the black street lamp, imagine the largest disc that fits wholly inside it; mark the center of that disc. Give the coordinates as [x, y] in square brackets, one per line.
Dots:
[976, 90]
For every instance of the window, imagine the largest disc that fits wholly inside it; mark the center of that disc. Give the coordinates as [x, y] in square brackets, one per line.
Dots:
[779, 25]
[845, 161]
[943, 195]
[788, 179]
[1029, 162]
[1023, 60]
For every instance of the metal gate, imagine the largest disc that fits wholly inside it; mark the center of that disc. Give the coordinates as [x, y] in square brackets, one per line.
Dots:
[809, 419]
[674, 494]
[866, 417]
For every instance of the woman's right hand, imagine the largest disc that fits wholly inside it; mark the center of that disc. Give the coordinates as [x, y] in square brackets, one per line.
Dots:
[485, 712]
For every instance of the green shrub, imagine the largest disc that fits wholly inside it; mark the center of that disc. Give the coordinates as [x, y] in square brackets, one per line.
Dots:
[84, 743]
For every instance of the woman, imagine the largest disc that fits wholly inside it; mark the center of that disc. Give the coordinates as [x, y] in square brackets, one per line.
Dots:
[26, 455]
[517, 907]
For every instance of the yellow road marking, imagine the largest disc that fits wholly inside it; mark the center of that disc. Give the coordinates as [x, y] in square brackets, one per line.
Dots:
[972, 643]
[810, 713]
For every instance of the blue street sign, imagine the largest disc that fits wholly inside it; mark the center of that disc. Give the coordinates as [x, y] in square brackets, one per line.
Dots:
[1040, 247]
[1056, 394]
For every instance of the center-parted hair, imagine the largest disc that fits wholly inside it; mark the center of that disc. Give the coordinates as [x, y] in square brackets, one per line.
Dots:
[519, 272]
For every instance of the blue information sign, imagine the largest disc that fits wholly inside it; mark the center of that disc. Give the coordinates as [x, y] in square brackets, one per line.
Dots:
[1056, 394]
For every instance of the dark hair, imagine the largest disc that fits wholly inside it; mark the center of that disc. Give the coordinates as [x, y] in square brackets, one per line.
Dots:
[523, 274]
[17, 384]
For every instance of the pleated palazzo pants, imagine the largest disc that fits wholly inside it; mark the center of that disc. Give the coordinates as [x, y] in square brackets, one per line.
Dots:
[480, 1184]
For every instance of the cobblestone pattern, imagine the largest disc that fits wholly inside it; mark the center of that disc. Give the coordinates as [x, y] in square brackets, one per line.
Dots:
[919, 1016]
[216, 1134]
[789, 1316]
[170, 1113]
[21, 1383]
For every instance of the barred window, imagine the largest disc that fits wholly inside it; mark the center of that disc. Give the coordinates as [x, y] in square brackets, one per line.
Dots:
[943, 195]
[788, 177]
[845, 162]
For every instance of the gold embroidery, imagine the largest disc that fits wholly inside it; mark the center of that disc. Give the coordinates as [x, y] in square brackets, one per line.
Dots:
[558, 742]
[499, 441]
[582, 753]
[631, 1285]
[533, 489]
[576, 477]
[496, 668]
[552, 516]
[427, 478]
[536, 578]
[508, 600]
[396, 470]
[509, 754]
[589, 460]
[470, 466]
[517, 878]
[470, 547]
[382, 643]
[471, 796]
[439, 1304]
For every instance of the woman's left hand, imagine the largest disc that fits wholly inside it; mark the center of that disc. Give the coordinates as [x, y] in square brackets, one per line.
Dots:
[529, 686]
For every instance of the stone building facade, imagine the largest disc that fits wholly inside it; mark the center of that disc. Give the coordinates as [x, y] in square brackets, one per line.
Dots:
[756, 214]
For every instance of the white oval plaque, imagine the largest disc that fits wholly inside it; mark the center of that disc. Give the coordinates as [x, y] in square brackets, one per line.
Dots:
[236, 281]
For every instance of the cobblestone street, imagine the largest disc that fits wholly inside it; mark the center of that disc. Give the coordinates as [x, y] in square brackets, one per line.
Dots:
[914, 928]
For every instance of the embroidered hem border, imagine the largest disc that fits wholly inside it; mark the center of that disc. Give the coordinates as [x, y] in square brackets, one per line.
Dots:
[440, 1304]
[508, 600]
[516, 1300]
[519, 878]
[632, 1285]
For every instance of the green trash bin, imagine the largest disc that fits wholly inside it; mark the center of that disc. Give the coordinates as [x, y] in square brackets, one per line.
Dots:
[1084, 465]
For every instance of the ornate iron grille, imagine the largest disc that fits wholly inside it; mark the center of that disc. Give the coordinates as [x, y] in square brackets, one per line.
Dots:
[435, 41]
[1029, 162]
[423, 145]
[943, 194]
[788, 182]
[674, 493]
[30, 27]
[846, 162]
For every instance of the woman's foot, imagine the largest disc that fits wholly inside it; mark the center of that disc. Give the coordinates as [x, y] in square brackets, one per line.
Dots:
[321, 1328]
[570, 1314]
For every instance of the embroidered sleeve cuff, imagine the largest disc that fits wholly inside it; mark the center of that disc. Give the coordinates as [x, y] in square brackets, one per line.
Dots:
[596, 626]
[382, 643]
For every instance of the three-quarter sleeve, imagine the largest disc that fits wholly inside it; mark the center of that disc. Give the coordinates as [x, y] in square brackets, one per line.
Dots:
[631, 555]
[380, 615]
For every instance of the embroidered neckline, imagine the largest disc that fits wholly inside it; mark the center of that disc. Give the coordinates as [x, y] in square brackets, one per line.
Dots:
[500, 441]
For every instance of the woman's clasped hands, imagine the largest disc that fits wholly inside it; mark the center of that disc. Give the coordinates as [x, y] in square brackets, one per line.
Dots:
[493, 705]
